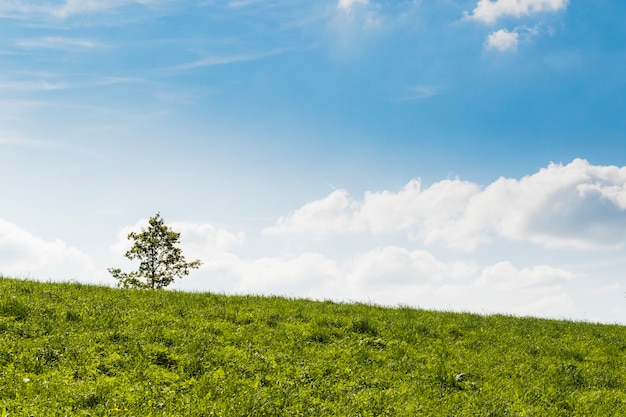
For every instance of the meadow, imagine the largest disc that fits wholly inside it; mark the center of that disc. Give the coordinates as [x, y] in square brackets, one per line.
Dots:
[70, 349]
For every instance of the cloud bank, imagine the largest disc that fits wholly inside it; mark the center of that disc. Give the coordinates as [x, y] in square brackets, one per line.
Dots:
[577, 205]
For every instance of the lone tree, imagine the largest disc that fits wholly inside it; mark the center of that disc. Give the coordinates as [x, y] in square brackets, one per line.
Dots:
[161, 260]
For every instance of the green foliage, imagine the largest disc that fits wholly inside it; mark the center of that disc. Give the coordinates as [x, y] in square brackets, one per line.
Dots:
[161, 261]
[81, 350]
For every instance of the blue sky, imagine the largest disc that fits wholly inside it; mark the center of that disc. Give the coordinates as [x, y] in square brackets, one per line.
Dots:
[458, 155]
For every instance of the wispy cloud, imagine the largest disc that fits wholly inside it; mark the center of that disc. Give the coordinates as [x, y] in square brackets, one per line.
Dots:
[55, 82]
[347, 4]
[58, 42]
[417, 92]
[31, 9]
[33, 85]
[226, 59]
[74, 7]
[243, 3]
[16, 139]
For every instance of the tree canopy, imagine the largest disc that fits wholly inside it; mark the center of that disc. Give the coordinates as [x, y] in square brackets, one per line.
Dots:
[161, 260]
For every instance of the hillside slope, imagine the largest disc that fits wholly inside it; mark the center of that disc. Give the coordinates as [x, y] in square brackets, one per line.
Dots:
[80, 350]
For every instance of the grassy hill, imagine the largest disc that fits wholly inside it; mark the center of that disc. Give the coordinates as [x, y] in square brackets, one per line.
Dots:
[80, 350]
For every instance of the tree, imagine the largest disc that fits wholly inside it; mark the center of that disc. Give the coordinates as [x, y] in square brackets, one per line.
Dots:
[160, 260]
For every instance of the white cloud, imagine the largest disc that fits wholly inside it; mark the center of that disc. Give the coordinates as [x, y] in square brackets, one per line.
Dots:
[576, 205]
[347, 4]
[502, 40]
[554, 306]
[328, 215]
[285, 276]
[398, 266]
[379, 212]
[23, 254]
[504, 288]
[504, 276]
[489, 11]
[205, 240]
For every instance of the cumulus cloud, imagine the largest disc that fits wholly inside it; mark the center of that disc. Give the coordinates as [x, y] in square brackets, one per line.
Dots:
[23, 254]
[398, 266]
[379, 212]
[502, 40]
[575, 205]
[331, 214]
[503, 275]
[489, 11]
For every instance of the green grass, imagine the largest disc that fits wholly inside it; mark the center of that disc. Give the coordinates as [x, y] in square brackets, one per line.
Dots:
[81, 350]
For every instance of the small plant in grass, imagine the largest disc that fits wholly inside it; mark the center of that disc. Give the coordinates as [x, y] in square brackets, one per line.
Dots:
[161, 260]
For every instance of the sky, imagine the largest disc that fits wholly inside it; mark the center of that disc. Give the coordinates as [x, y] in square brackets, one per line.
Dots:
[457, 155]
